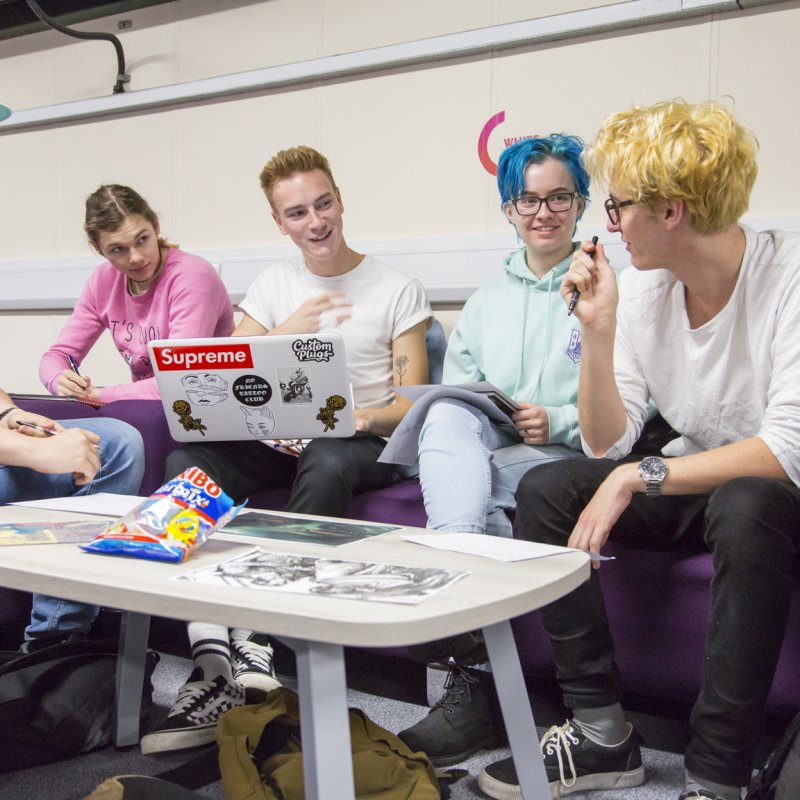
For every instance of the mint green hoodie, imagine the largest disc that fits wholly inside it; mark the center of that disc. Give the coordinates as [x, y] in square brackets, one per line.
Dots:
[515, 333]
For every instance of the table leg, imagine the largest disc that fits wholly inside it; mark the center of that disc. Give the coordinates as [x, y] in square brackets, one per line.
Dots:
[324, 723]
[133, 637]
[516, 708]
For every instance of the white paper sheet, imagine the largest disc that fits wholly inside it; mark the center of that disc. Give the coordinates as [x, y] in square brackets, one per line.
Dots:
[499, 548]
[103, 503]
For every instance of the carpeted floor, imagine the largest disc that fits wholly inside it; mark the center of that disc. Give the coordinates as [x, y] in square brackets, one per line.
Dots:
[75, 778]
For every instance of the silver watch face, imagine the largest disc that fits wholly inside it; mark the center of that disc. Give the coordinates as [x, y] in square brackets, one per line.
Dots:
[653, 468]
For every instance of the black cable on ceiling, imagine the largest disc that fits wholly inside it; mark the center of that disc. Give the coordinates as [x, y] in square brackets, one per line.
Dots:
[122, 77]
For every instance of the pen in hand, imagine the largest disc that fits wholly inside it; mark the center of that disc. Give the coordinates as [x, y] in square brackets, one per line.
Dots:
[72, 365]
[36, 427]
[576, 294]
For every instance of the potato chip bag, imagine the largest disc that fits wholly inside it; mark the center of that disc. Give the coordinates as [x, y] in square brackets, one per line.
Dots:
[171, 523]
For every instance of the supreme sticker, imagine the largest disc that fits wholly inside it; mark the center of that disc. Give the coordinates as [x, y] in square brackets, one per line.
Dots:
[200, 357]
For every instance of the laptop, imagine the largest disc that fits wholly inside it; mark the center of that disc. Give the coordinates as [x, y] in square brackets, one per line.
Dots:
[254, 387]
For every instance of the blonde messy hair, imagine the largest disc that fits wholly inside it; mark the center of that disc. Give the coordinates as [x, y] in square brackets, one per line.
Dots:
[287, 162]
[677, 151]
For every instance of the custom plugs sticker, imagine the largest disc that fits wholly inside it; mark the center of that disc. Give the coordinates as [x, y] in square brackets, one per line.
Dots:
[327, 415]
[312, 350]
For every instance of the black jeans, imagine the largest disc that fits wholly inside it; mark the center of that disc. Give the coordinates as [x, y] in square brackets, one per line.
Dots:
[751, 527]
[323, 480]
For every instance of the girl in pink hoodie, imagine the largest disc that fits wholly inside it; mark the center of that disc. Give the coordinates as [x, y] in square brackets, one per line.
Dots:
[147, 289]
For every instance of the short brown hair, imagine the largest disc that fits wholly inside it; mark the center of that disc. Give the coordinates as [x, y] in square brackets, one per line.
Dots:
[287, 162]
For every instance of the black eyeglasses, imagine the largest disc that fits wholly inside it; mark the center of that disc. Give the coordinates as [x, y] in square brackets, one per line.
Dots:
[528, 205]
[612, 208]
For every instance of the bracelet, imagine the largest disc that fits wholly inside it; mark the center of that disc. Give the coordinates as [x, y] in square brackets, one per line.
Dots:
[8, 411]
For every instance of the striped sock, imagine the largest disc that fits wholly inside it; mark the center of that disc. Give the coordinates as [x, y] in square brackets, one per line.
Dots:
[211, 650]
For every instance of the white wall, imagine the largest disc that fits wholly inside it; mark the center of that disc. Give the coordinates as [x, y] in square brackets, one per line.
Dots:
[402, 141]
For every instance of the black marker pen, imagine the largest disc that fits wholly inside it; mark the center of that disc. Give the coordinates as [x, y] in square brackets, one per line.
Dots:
[576, 294]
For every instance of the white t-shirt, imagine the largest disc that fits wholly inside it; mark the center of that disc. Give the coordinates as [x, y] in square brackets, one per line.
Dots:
[385, 304]
[735, 377]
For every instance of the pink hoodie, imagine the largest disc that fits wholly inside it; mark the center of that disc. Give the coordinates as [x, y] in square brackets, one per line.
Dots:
[187, 299]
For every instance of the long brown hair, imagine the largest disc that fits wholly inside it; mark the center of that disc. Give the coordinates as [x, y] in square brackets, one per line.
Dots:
[109, 206]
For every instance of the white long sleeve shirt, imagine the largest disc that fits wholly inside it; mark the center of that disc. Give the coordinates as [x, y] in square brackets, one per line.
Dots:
[735, 377]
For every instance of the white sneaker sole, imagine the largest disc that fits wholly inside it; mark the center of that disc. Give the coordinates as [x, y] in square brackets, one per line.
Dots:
[166, 741]
[257, 680]
[611, 780]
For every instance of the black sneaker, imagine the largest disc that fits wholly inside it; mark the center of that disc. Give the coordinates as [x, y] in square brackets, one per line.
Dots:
[573, 763]
[251, 655]
[464, 720]
[699, 794]
[192, 721]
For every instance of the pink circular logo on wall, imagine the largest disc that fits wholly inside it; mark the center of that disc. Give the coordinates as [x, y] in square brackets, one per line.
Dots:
[483, 141]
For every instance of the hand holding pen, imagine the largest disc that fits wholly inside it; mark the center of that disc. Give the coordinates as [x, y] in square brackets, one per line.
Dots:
[575, 293]
[60, 449]
[591, 277]
[71, 383]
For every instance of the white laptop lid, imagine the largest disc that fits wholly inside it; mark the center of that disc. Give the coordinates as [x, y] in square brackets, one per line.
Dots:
[254, 387]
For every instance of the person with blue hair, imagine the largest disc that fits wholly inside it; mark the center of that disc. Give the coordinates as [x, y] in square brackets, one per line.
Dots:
[515, 333]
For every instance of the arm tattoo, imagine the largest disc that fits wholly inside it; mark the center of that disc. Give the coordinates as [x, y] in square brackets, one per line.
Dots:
[401, 365]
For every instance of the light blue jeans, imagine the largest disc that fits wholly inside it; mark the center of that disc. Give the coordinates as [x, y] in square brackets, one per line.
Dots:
[122, 467]
[469, 468]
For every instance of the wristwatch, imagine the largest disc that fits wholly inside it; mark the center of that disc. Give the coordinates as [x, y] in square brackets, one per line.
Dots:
[652, 471]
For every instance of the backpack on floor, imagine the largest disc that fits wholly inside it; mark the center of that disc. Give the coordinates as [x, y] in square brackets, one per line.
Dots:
[59, 701]
[779, 778]
[260, 756]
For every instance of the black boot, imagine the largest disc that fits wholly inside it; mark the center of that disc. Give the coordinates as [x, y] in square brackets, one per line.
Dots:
[468, 649]
[466, 719]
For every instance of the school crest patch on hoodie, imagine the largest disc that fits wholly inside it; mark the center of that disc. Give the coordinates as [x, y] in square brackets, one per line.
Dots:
[573, 350]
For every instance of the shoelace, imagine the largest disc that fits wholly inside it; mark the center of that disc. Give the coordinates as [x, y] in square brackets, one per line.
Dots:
[191, 695]
[253, 657]
[456, 685]
[559, 739]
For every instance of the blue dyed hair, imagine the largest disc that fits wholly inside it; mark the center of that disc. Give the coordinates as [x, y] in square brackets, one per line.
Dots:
[514, 160]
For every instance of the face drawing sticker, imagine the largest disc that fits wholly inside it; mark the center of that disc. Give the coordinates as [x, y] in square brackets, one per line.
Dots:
[295, 387]
[184, 412]
[205, 388]
[327, 415]
[260, 421]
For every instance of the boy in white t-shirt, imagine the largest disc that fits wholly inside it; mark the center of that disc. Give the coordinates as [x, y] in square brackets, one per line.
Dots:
[383, 316]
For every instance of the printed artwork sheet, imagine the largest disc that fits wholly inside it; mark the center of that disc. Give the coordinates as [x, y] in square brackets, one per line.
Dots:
[330, 577]
[16, 533]
[316, 531]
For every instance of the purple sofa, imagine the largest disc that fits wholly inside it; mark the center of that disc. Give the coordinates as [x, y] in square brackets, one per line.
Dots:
[657, 601]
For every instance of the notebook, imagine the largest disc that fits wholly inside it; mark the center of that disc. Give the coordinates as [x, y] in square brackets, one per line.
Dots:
[254, 387]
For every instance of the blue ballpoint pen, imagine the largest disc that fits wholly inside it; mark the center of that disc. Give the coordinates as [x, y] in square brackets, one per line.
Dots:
[72, 365]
